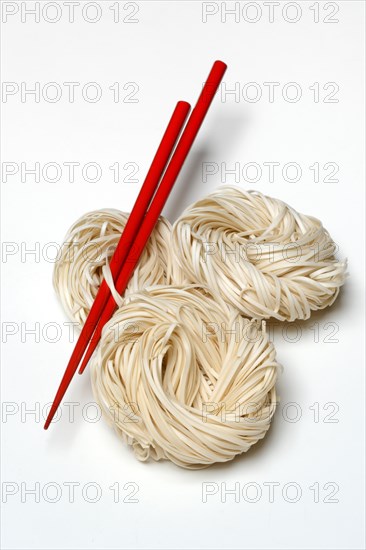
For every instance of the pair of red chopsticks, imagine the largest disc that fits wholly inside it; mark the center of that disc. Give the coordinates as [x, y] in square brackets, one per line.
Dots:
[142, 220]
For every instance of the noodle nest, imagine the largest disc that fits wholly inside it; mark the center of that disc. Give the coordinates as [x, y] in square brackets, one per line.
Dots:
[84, 259]
[181, 375]
[261, 255]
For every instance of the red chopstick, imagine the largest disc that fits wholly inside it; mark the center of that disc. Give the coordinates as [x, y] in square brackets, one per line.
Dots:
[161, 196]
[132, 226]
[150, 219]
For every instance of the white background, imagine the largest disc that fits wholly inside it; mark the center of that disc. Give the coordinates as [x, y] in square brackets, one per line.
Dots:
[168, 53]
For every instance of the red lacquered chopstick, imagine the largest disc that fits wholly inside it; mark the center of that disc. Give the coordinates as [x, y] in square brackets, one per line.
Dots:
[157, 204]
[132, 226]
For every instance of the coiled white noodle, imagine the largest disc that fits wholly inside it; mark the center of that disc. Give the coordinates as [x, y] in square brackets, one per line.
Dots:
[179, 372]
[84, 260]
[265, 258]
[181, 375]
